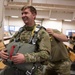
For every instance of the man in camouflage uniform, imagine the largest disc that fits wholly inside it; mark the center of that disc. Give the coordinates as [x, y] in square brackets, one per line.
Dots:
[59, 62]
[43, 44]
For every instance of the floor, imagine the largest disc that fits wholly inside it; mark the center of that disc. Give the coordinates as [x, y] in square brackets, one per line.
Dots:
[72, 72]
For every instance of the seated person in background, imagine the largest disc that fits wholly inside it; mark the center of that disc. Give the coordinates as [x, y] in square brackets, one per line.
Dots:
[74, 48]
[59, 61]
[74, 40]
[70, 39]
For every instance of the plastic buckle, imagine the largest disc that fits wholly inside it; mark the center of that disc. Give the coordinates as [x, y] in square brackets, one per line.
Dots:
[28, 73]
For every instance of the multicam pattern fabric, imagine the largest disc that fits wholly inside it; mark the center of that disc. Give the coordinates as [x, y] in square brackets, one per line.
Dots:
[43, 41]
[43, 48]
[62, 68]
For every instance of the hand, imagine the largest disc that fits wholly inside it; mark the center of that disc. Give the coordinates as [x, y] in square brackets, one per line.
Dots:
[50, 31]
[18, 58]
[4, 54]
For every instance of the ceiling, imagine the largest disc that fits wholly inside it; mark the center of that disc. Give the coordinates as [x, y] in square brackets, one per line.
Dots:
[59, 9]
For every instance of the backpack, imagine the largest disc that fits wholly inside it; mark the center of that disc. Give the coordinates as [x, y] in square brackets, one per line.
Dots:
[58, 50]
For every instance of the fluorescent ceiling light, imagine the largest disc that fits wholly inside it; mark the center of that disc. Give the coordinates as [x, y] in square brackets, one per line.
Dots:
[14, 16]
[53, 19]
[67, 20]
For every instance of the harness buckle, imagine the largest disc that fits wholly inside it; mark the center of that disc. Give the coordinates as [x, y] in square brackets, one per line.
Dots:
[28, 73]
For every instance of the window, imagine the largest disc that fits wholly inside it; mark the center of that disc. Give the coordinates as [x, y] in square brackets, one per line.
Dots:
[70, 32]
[12, 28]
[17, 28]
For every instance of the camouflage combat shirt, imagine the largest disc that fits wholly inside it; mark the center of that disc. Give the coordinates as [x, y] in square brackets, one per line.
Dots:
[43, 41]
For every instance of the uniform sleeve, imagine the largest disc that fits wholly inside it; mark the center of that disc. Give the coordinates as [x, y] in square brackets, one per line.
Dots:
[44, 48]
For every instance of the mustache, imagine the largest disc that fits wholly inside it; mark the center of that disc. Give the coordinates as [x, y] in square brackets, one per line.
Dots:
[25, 18]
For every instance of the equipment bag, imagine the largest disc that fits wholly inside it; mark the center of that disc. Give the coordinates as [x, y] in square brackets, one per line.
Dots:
[19, 47]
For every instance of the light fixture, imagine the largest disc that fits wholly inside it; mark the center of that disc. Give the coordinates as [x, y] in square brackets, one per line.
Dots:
[67, 20]
[15, 16]
[53, 19]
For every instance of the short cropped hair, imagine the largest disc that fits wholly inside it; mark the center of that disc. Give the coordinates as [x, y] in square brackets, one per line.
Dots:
[32, 9]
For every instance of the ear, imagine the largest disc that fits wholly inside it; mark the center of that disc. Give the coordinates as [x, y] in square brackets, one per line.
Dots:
[34, 15]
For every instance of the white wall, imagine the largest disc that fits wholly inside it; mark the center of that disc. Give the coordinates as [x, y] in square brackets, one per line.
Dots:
[60, 25]
[14, 21]
[68, 25]
[52, 24]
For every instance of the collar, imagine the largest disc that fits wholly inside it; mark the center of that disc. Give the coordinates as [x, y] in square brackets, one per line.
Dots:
[29, 28]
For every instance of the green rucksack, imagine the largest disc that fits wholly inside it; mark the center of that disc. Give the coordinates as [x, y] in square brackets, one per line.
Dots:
[19, 47]
[58, 49]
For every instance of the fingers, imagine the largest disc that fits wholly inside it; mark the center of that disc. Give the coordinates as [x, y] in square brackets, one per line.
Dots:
[18, 58]
[50, 31]
[3, 54]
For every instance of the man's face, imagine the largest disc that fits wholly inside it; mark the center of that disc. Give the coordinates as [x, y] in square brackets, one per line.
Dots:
[27, 16]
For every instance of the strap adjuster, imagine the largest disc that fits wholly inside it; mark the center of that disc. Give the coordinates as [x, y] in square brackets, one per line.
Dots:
[28, 73]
